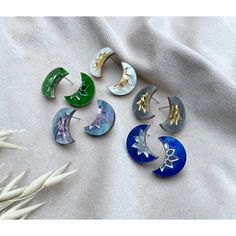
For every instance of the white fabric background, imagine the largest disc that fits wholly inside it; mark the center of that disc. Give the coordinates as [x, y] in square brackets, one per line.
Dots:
[193, 58]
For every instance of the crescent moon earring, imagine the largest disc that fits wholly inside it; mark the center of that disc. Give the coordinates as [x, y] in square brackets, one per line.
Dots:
[99, 60]
[141, 102]
[128, 78]
[136, 145]
[176, 117]
[60, 126]
[104, 121]
[175, 157]
[85, 94]
[175, 154]
[52, 80]
[82, 97]
[127, 82]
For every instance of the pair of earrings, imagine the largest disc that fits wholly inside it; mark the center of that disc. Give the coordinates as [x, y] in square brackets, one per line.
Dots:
[100, 126]
[175, 154]
[128, 78]
[176, 117]
[82, 97]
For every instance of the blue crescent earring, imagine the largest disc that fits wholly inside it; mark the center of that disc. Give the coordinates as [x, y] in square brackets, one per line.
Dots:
[175, 157]
[175, 154]
[128, 78]
[60, 126]
[103, 123]
[136, 145]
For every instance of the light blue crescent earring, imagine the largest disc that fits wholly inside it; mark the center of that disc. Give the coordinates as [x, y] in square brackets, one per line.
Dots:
[100, 126]
[128, 78]
[175, 154]
[104, 121]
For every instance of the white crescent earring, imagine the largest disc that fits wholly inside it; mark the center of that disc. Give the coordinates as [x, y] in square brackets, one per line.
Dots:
[128, 78]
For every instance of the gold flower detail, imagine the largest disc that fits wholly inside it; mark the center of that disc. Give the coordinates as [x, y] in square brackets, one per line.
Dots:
[143, 103]
[174, 115]
[100, 60]
[124, 80]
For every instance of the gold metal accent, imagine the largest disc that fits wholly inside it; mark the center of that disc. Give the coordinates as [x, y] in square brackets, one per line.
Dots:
[174, 115]
[100, 60]
[143, 102]
[124, 80]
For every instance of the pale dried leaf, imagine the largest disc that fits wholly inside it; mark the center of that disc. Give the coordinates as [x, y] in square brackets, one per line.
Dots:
[57, 179]
[3, 139]
[11, 194]
[60, 170]
[11, 146]
[5, 205]
[19, 213]
[24, 216]
[36, 185]
[12, 184]
[20, 205]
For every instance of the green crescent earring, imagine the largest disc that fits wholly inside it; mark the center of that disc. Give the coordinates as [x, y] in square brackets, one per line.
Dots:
[85, 94]
[82, 97]
[52, 80]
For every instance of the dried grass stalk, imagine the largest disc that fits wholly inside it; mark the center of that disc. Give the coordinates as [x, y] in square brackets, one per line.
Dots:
[12, 198]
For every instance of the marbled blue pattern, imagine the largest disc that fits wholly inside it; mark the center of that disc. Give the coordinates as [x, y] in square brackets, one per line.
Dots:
[136, 145]
[60, 126]
[104, 120]
[175, 158]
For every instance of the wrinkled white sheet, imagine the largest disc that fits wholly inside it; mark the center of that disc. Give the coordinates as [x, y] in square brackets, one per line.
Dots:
[193, 58]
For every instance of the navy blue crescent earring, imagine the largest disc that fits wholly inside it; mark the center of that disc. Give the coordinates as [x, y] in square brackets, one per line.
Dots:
[175, 154]
[136, 145]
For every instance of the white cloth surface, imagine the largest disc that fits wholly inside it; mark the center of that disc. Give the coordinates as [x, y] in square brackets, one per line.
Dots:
[192, 57]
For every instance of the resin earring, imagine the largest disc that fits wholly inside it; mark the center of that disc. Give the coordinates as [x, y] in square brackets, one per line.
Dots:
[60, 126]
[99, 60]
[52, 80]
[82, 97]
[136, 145]
[175, 154]
[176, 117]
[103, 123]
[127, 82]
[175, 157]
[141, 102]
[128, 78]
[85, 94]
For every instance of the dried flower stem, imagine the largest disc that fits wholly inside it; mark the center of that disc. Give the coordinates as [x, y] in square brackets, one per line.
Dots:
[10, 195]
